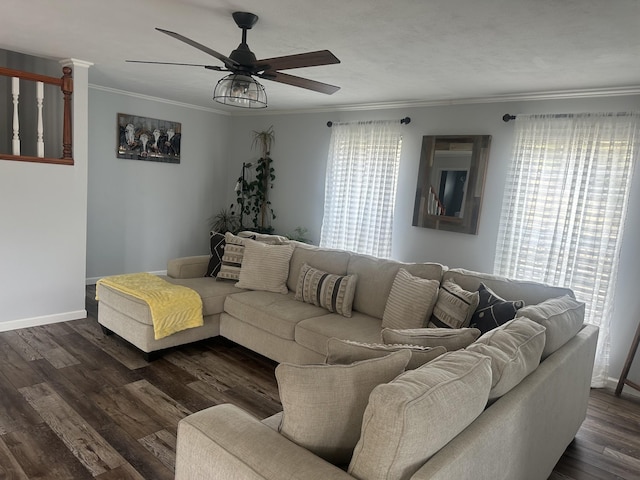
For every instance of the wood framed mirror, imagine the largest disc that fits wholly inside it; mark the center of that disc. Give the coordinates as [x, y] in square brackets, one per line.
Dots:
[451, 182]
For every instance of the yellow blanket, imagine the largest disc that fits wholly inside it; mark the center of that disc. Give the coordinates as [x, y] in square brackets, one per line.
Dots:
[173, 307]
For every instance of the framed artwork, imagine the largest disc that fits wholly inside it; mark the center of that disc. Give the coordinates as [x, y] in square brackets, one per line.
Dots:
[143, 138]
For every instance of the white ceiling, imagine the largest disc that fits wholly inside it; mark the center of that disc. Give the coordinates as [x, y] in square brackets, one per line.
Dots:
[391, 51]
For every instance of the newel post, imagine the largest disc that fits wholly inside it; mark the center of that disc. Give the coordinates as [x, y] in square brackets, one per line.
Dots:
[67, 90]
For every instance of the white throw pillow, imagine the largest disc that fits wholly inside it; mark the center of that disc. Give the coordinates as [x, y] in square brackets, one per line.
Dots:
[410, 301]
[409, 419]
[265, 267]
[562, 317]
[515, 349]
[323, 404]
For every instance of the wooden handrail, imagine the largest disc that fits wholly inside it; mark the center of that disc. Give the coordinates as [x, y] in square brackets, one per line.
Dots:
[66, 86]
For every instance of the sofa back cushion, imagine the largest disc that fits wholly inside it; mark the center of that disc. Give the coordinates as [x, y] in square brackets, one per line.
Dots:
[562, 317]
[409, 419]
[515, 349]
[376, 277]
[323, 404]
[331, 261]
[528, 291]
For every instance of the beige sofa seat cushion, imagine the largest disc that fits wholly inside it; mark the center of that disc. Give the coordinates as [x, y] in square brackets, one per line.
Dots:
[562, 317]
[332, 261]
[314, 333]
[275, 313]
[409, 419]
[348, 351]
[376, 277]
[213, 293]
[450, 338]
[515, 349]
[323, 404]
[529, 292]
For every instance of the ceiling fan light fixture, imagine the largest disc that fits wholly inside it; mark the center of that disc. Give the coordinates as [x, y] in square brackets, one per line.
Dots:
[240, 90]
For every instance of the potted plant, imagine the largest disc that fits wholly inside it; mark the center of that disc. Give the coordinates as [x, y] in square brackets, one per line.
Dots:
[253, 196]
[225, 220]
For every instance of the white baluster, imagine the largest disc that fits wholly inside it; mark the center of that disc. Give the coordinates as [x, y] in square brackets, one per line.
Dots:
[15, 91]
[40, 102]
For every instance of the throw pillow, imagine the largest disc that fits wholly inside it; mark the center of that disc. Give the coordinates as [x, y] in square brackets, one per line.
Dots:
[454, 307]
[347, 351]
[492, 310]
[410, 301]
[409, 419]
[562, 317]
[232, 257]
[449, 338]
[216, 242]
[323, 404]
[515, 350]
[326, 290]
[265, 267]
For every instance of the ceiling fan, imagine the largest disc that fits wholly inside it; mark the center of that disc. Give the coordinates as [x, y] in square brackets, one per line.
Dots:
[240, 88]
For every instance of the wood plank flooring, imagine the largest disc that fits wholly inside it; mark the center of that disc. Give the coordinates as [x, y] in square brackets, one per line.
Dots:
[75, 404]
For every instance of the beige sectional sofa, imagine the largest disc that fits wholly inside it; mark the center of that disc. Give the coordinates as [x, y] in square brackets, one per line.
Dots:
[521, 435]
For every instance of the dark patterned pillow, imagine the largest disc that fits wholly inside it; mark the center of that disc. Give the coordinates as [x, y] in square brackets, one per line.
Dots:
[493, 310]
[216, 240]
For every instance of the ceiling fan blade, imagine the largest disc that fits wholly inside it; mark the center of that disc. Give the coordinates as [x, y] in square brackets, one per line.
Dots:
[224, 59]
[208, 67]
[300, 82]
[300, 60]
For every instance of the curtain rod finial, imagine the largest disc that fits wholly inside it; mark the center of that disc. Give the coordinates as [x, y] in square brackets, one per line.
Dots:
[406, 120]
[506, 117]
[329, 123]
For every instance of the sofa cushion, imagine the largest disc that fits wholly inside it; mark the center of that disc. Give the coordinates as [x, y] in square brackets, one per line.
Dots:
[275, 313]
[454, 306]
[450, 338]
[493, 310]
[410, 301]
[265, 267]
[409, 419]
[213, 293]
[332, 261]
[376, 276]
[515, 350]
[529, 292]
[348, 351]
[216, 243]
[327, 290]
[562, 317]
[313, 333]
[323, 404]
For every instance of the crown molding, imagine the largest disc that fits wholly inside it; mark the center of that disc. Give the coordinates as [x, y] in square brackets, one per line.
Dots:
[518, 97]
[141, 96]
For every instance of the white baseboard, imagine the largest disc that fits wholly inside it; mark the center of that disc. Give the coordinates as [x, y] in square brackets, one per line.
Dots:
[43, 320]
[94, 280]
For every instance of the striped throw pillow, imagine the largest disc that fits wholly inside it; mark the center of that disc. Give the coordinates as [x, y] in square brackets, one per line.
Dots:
[410, 301]
[327, 290]
[455, 306]
[232, 257]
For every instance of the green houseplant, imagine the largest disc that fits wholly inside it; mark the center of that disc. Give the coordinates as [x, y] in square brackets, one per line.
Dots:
[253, 196]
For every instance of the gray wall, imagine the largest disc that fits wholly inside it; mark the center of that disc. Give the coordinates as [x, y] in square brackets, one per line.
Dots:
[300, 152]
[142, 213]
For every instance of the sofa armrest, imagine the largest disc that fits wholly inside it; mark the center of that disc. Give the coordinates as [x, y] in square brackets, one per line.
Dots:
[224, 442]
[188, 267]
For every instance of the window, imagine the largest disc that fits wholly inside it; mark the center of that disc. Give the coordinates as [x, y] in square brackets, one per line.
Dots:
[360, 187]
[564, 209]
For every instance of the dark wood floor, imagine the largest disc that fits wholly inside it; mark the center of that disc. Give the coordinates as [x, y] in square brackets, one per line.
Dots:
[76, 404]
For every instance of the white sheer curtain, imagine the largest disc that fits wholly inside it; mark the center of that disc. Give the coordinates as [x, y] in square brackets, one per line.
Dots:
[564, 209]
[360, 187]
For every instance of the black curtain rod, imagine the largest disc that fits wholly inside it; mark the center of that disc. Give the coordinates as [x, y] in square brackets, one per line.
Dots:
[506, 117]
[404, 121]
